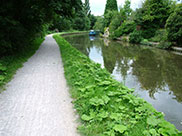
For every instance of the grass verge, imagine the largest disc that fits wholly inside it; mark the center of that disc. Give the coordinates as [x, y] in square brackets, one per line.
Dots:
[68, 32]
[10, 63]
[105, 106]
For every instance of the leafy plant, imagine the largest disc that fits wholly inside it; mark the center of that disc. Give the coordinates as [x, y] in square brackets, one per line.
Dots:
[135, 37]
[125, 28]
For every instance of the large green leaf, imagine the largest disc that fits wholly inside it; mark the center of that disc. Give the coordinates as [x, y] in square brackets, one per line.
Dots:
[85, 117]
[153, 121]
[120, 128]
[2, 78]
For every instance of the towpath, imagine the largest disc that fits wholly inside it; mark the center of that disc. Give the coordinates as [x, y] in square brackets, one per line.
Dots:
[36, 101]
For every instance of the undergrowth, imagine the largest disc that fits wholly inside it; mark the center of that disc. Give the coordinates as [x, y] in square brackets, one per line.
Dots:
[10, 63]
[105, 106]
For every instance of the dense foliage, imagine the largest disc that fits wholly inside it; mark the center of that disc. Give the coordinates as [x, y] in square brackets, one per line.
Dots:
[10, 63]
[108, 17]
[156, 21]
[152, 16]
[87, 7]
[99, 24]
[174, 26]
[93, 20]
[127, 9]
[135, 37]
[105, 106]
[126, 28]
[111, 5]
[118, 19]
[82, 19]
[24, 20]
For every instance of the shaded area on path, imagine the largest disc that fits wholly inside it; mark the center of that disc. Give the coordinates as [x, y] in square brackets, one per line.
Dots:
[37, 101]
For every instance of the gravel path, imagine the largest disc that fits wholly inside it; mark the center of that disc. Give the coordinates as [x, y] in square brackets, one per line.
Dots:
[37, 101]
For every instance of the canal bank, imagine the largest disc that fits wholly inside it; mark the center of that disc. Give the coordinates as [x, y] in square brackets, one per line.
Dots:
[96, 93]
[154, 74]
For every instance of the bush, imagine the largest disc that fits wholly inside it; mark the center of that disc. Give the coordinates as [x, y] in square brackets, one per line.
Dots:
[174, 26]
[160, 35]
[165, 45]
[125, 28]
[135, 37]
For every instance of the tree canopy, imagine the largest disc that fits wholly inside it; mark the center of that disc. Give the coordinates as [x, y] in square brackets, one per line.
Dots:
[23, 20]
[174, 26]
[111, 5]
[87, 7]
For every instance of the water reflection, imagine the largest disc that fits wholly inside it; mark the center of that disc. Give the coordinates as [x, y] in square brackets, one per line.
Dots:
[155, 74]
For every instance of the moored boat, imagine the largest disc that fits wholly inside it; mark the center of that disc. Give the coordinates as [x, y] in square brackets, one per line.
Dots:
[92, 33]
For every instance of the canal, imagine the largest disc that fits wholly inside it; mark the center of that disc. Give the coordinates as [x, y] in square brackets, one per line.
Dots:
[155, 75]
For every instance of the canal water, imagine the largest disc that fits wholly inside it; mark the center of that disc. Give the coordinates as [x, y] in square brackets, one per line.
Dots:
[156, 75]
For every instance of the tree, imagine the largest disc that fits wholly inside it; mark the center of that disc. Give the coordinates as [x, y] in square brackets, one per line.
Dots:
[152, 16]
[87, 7]
[99, 24]
[127, 8]
[61, 23]
[174, 26]
[111, 5]
[108, 17]
[93, 20]
[22, 21]
[81, 21]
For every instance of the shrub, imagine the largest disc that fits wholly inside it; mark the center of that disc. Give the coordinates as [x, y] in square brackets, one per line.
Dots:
[146, 42]
[174, 26]
[165, 45]
[126, 28]
[135, 37]
[160, 35]
[124, 39]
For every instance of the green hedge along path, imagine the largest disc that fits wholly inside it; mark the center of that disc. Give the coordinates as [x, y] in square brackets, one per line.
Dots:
[105, 106]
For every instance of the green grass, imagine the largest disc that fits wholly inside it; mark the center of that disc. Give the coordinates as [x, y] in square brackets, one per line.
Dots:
[105, 106]
[68, 32]
[9, 64]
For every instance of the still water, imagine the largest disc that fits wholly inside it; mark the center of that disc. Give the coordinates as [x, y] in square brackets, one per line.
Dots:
[156, 75]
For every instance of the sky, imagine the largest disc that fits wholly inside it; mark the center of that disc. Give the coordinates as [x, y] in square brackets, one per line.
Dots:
[98, 6]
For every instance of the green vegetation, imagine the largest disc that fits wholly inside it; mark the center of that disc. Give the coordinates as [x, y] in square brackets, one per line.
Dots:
[126, 28]
[111, 5]
[152, 16]
[99, 24]
[174, 26]
[81, 19]
[24, 21]
[106, 107]
[160, 35]
[135, 37]
[157, 21]
[10, 63]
